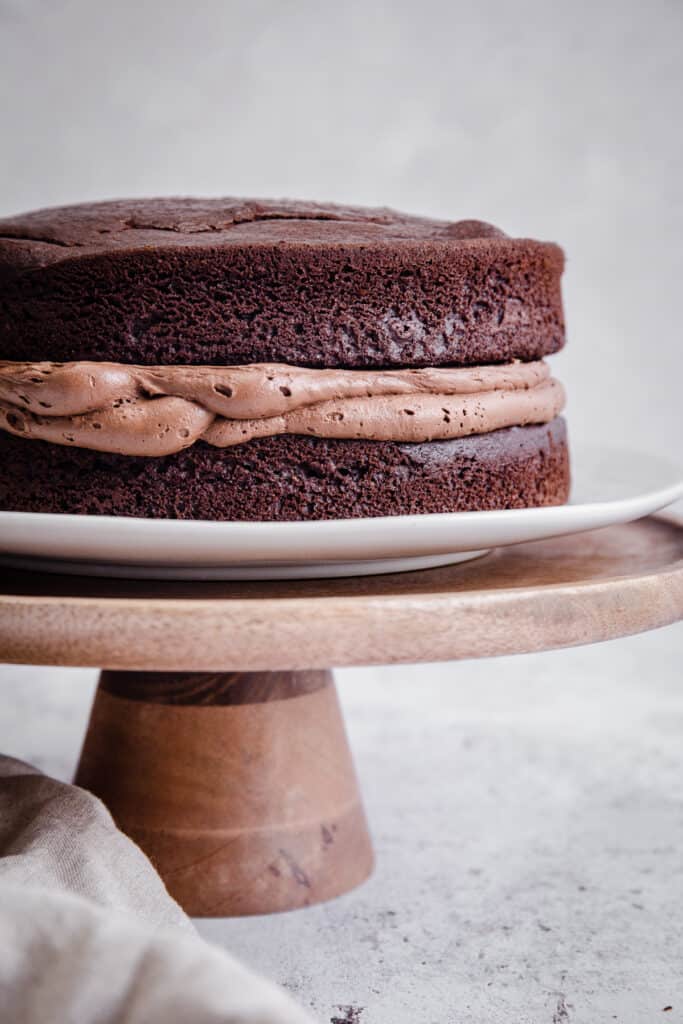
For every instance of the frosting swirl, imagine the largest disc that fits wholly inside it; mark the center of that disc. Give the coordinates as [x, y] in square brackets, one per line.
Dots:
[159, 410]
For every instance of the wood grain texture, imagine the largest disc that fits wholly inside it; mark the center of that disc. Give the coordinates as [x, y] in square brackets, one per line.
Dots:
[247, 807]
[211, 689]
[555, 593]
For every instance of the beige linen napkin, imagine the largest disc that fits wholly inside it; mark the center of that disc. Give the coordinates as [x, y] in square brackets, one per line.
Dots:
[88, 932]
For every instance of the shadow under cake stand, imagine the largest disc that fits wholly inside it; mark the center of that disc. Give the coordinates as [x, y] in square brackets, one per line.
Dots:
[216, 738]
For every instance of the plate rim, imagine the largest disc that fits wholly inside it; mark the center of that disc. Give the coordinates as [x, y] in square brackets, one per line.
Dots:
[667, 495]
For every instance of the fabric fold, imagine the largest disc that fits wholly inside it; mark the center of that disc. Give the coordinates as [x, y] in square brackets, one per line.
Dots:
[88, 932]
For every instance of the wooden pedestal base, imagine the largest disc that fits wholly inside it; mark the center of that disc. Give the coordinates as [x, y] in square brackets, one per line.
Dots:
[240, 787]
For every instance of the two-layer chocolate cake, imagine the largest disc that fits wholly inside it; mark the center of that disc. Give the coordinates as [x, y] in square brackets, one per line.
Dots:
[247, 359]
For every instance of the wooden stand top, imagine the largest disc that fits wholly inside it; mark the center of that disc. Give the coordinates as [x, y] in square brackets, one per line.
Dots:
[531, 597]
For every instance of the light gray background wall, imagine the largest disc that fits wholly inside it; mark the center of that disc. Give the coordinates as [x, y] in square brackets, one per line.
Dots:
[529, 778]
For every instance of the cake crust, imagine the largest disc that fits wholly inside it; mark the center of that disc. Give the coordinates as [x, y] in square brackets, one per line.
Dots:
[229, 282]
[293, 477]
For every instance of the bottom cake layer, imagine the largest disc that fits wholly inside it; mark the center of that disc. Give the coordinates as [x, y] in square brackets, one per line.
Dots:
[293, 477]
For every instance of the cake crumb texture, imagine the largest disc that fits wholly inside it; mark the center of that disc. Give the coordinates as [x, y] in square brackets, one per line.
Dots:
[229, 281]
[293, 477]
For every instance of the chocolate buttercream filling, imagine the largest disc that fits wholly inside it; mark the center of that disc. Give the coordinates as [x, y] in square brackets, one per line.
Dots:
[158, 410]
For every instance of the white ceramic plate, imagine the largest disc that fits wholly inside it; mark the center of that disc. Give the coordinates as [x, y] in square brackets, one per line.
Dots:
[609, 486]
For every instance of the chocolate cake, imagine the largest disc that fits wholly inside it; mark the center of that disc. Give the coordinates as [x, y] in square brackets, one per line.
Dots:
[247, 359]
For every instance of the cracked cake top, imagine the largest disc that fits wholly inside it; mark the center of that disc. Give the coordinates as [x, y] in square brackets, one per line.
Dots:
[230, 281]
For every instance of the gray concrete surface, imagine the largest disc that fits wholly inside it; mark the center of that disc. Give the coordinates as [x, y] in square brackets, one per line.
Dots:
[528, 820]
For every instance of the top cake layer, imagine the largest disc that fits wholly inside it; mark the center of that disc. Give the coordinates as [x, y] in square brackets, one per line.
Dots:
[234, 281]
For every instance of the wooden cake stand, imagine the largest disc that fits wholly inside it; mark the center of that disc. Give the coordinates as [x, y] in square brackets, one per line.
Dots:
[216, 737]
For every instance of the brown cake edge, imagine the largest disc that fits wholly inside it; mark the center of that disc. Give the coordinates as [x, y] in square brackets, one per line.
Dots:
[293, 477]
